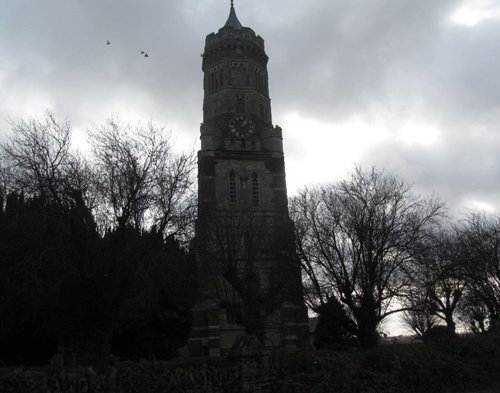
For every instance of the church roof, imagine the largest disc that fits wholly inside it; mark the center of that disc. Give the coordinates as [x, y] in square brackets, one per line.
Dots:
[233, 21]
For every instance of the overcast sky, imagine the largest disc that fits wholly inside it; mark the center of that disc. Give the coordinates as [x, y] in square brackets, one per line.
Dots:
[410, 86]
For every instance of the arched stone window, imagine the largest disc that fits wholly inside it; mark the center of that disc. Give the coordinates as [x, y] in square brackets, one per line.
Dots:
[216, 77]
[260, 80]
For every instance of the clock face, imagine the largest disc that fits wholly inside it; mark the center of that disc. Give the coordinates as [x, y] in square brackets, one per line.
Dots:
[241, 126]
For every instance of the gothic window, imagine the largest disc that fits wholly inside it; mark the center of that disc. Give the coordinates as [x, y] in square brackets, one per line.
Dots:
[255, 190]
[232, 188]
[240, 104]
[260, 80]
[216, 77]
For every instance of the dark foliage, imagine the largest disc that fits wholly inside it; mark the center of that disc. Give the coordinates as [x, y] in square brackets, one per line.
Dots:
[153, 293]
[62, 285]
[468, 365]
[335, 329]
[46, 270]
[439, 334]
[66, 283]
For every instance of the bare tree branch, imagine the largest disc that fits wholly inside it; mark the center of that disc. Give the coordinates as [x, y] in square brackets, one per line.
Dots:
[357, 237]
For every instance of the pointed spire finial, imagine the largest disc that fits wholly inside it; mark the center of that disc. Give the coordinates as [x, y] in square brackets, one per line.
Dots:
[233, 21]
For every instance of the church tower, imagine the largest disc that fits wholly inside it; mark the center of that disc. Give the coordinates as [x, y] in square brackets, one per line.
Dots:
[249, 279]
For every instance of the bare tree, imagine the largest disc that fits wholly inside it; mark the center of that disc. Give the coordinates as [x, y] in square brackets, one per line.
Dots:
[37, 160]
[480, 256]
[419, 315]
[473, 312]
[4, 176]
[136, 179]
[356, 238]
[438, 277]
[142, 182]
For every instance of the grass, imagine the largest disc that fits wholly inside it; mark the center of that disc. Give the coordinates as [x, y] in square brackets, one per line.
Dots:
[450, 366]
[462, 365]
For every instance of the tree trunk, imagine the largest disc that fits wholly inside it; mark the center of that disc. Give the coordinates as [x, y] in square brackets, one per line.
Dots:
[367, 329]
[450, 323]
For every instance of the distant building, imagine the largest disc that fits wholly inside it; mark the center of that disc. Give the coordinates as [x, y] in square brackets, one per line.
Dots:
[245, 249]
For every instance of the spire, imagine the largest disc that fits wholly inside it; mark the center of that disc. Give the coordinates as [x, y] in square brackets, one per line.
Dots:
[233, 21]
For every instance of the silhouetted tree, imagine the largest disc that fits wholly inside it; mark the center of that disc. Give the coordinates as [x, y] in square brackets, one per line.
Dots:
[355, 239]
[479, 241]
[438, 281]
[24, 337]
[419, 317]
[473, 312]
[37, 160]
[61, 282]
[150, 291]
[142, 182]
[47, 265]
[55, 229]
[335, 328]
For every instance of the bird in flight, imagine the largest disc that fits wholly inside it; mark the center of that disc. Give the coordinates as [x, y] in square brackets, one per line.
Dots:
[108, 43]
[145, 54]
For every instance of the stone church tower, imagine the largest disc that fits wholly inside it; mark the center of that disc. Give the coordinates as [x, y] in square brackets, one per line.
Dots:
[249, 280]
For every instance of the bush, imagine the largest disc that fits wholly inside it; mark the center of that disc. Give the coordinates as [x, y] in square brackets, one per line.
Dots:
[335, 329]
[439, 334]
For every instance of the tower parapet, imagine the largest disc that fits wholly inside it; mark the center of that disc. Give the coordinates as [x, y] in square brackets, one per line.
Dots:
[230, 36]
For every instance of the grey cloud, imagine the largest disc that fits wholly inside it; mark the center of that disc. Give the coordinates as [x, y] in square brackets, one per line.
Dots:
[329, 59]
[466, 167]
[343, 54]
